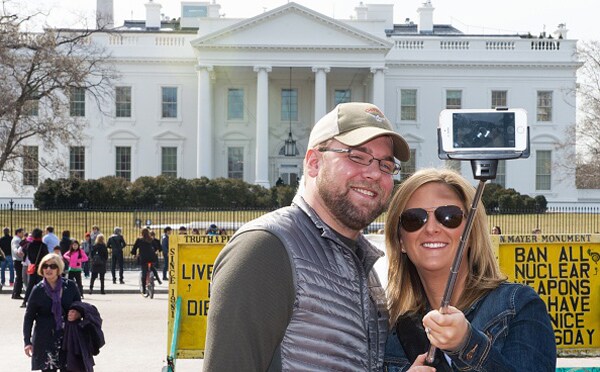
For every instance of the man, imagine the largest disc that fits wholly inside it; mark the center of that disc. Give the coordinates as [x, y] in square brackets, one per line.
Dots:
[182, 230]
[17, 257]
[8, 261]
[35, 251]
[50, 239]
[295, 289]
[164, 243]
[116, 243]
[95, 233]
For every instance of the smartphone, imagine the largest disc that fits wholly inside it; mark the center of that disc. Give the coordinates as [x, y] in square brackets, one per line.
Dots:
[484, 131]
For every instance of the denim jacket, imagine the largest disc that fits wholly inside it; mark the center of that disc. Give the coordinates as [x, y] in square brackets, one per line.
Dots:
[510, 331]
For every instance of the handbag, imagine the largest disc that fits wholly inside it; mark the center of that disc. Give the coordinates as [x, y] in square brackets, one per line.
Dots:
[32, 268]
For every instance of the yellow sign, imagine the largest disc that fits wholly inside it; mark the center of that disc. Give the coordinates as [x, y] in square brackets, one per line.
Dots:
[565, 272]
[191, 262]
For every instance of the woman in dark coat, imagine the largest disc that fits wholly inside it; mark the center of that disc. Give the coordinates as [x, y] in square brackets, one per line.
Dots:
[147, 255]
[48, 306]
[99, 258]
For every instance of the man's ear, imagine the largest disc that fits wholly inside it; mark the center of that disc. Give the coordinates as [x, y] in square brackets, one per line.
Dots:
[312, 162]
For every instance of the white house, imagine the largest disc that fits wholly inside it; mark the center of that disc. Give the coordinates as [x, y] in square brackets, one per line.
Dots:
[218, 97]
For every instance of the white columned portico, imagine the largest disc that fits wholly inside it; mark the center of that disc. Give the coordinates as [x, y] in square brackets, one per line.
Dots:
[320, 91]
[205, 153]
[262, 126]
[379, 87]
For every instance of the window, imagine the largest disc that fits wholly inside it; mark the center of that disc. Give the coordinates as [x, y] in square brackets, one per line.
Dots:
[543, 170]
[544, 106]
[408, 167]
[169, 162]
[77, 162]
[454, 99]
[169, 102]
[77, 102]
[289, 105]
[342, 96]
[32, 105]
[123, 102]
[235, 162]
[408, 104]
[31, 171]
[500, 174]
[123, 162]
[235, 104]
[499, 98]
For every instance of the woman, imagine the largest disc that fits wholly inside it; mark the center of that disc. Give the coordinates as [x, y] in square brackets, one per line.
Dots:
[496, 230]
[147, 255]
[99, 257]
[76, 257]
[48, 307]
[492, 325]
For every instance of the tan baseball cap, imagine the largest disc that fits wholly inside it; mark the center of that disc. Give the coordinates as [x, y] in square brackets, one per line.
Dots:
[355, 123]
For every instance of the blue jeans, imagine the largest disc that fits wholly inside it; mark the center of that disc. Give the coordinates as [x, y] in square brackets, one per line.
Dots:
[8, 262]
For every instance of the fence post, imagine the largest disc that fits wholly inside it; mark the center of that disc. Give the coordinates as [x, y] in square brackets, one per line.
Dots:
[11, 202]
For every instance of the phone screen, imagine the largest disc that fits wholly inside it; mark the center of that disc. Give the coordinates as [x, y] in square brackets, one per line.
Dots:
[483, 130]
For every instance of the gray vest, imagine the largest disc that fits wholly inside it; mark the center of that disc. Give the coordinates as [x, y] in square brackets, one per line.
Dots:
[340, 319]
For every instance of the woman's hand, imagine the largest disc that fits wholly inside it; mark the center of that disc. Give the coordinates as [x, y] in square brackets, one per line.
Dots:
[29, 350]
[419, 365]
[73, 315]
[447, 331]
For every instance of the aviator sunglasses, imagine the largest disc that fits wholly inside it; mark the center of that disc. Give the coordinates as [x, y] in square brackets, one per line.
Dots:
[50, 266]
[413, 219]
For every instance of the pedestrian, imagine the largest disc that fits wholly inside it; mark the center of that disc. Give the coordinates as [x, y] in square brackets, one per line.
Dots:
[146, 246]
[303, 275]
[50, 239]
[99, 258]
[182, 230]
[75, 256]
[87, 245]
[164, 243]
[7, 263]
[116, 243]
[17, 256]
[48, 307]
[34, 250]
[64, 245]
[94, 233]
[26, 240]
[212, 230]
[491, 324]
[496, 230]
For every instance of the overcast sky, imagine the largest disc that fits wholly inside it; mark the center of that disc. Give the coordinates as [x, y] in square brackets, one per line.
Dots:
[470, 16]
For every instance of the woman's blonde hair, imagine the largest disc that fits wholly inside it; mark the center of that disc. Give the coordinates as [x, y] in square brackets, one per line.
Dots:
[51, 258]
[405, 291]
[99, 239]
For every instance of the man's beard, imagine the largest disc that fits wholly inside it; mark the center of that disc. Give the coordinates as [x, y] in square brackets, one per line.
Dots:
[340, 205]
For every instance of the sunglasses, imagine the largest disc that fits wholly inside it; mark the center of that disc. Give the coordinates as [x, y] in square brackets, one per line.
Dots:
[413, 219]
[50, 266]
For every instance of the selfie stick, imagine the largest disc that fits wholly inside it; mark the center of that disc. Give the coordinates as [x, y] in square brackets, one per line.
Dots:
[483, 170]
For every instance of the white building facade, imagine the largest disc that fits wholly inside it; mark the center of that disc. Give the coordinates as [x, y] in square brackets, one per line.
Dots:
[220, 97]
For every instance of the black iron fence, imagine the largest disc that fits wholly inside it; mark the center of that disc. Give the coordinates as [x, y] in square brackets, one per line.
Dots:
[79, 220]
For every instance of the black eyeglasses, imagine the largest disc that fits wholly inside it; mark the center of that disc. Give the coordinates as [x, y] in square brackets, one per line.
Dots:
[362, 158]
[413, 219]
[50, 266]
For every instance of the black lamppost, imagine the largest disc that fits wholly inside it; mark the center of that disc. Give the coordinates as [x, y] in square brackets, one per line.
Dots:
[289, 148]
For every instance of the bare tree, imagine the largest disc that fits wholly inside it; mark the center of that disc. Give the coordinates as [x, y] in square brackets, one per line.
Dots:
[585, 134]
[40, 71]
